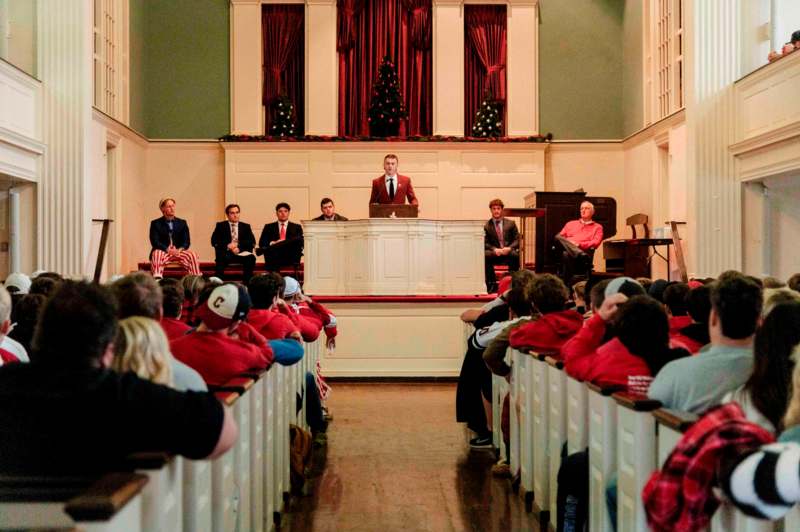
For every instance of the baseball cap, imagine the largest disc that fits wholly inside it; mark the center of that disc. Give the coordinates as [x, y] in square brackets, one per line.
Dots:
[624, 285]
[292, 286]
[227, 303]
[18, 283]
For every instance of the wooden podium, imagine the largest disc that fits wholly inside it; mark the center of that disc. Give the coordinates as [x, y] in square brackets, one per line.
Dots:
[391, 210]
[526, 228]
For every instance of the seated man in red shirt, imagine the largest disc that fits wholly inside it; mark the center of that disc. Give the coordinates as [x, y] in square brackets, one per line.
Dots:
[223, 346]
[172, 306]
[265, 290]
[579, 238]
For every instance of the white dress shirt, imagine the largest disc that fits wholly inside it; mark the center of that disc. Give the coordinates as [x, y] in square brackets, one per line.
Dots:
[388, 180]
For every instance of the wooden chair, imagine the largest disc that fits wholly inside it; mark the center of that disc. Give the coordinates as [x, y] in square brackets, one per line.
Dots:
[638, 219]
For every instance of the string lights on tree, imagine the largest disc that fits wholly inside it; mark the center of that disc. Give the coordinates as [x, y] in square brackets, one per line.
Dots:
[282, 118]
[488, 119]
[386, 108]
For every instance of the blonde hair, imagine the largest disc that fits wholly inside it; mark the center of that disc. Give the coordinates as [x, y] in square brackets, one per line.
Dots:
[164, 202]
[142, 348]
[776, 296]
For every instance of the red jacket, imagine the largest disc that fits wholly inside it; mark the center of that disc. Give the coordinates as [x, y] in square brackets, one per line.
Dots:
[610, 364]
[676, 323]
[174, 328]
[678, 339]
[273, 325]
[548, 332]
[311, 319]
[404, 190]
[7, 357]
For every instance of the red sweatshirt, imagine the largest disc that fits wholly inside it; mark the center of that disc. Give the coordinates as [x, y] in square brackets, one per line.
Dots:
[7, 357]
[584, 235]
[610, 364]
[174, 328]
[548, 332]
[270, 323]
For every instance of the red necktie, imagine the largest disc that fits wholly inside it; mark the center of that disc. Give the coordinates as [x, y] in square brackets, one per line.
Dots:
[499, 233]
[283, 232]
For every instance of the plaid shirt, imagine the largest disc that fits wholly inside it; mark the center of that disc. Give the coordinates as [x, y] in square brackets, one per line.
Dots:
[680, 496]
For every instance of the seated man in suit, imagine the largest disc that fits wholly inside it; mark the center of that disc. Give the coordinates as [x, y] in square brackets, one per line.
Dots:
[500, 244]
[169, 239]
[579, 238]
[392, 188]
[233, 242]
[281, 242]
[329, 212]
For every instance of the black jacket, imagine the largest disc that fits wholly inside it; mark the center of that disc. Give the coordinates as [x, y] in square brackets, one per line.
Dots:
[336, 218]
[160, 234]
[222, 237]
[510, 235]
[271, 232]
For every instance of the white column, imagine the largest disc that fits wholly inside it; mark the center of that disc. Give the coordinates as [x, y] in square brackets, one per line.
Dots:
[448, 67]
[13, 230]
[246, 72]
[714, 200]
[65, 38]
[522, 68]
[321, 68]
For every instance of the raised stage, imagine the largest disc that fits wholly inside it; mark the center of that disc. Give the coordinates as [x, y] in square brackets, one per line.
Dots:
[394, 336]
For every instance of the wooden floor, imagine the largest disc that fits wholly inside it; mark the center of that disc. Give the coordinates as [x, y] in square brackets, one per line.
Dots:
[397, 460]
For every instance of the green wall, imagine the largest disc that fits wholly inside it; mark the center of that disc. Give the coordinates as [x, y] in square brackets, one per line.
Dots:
[632, 60]
[580, 68]
[180, 68]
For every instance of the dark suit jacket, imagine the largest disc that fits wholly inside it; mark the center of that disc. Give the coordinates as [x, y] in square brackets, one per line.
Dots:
[336, 218]
[510, 236]
[404, 191]
[222, 237]
[160, 234]
[272, 232]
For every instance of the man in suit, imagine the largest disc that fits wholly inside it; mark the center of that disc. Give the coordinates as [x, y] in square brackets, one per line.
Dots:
[281, 242]
[329, 212]
[230, 239]
[500, 244]
[392, 188]
[169, 239]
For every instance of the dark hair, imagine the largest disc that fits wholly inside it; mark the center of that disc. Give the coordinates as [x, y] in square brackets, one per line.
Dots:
[547, 293]
[25, 313]
[517, 299]
[756, 280]
[192, 286]
[51, 275]
[264, 288]
[137, 294]
[795, 37]
[794, 282]
[698, 303]
[675, 298]
[770, 384]
[496, 201]
[737, 299]
[579, 289]
[656, 289]
[642, 327]
[44, 285]
[598, 293]
[283, 205]
[646, 283]
[323, 201]
[76, 325]
[231, 206]
[172, 300]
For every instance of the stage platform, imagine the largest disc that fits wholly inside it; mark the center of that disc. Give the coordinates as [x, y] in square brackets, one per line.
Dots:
[393, 336]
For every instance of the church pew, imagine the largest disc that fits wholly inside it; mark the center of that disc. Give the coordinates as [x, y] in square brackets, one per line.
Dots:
[602, 418]
[557, 426]
[227, 507]
[540, 415]
[577, 415]
[636, 457]
[110, 503]
[522, 374]
[499, 390]
[514, 427]
[162, 499]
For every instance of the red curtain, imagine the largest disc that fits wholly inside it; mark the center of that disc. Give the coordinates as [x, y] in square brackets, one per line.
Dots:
[485, 40]
[283, 29]
[366, 31]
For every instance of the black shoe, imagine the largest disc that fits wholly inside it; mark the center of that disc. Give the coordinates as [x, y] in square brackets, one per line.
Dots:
[482, 442]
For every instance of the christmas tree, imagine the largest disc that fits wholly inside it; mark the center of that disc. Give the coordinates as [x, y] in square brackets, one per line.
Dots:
[488, 120]
[386, 108]
[282, 117]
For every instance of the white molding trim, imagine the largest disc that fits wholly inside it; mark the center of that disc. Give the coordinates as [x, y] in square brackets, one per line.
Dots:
[19, 75]
[22, 142]
[643, 135]
[781, 134]
[119, 128]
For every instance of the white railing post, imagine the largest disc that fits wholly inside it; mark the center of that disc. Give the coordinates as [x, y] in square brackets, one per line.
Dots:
[557, 427]
[602, 454]
[540, 413]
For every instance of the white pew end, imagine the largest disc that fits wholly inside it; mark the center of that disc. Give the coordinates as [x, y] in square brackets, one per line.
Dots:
[557, 426]
[602, 453]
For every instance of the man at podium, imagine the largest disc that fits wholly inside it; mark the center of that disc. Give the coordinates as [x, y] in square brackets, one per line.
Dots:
[392, 188]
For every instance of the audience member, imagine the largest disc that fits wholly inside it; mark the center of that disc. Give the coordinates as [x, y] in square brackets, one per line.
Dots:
[772, 282]
[579, 297]
[141, 347]
[18, 283]
[675, 300]
[171, 308]
[776, 296]
[794, 282]
[66, 413]
[24, 316]
[308, 316]
[765, 395]
[6, 357]
[219, 349]
[697, 383]
[656, 289]
[170, 241]
[138, 294]
[45, 285]
[646, 283]
[265, 290]
[695, 335]
[193, 286]
[496, 306]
